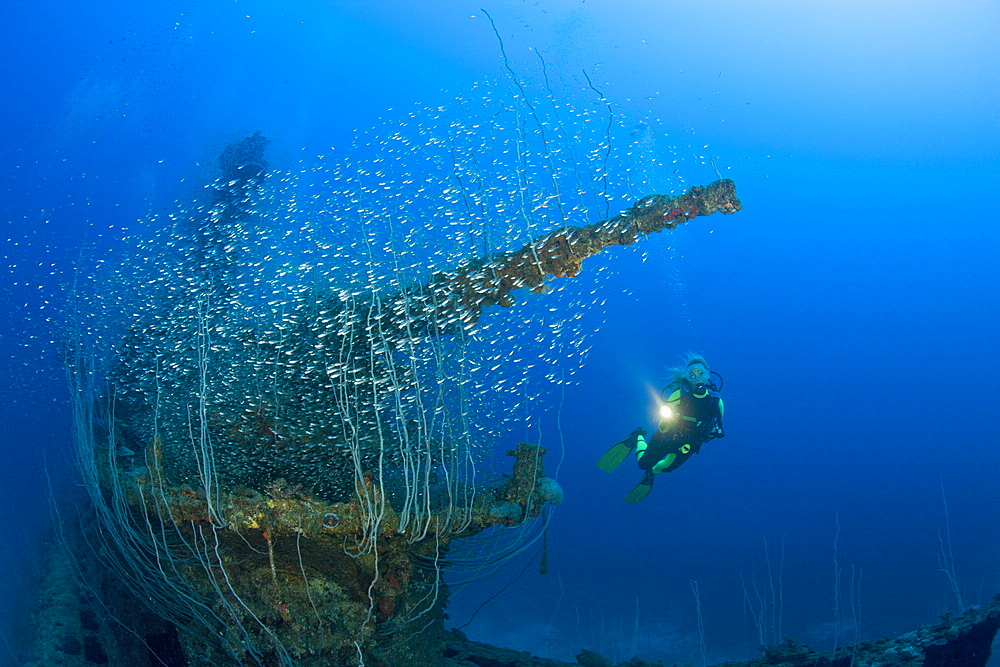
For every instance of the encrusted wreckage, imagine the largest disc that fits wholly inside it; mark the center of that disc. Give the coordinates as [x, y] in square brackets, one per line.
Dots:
[963, 641]
[288, 496]
[461, 295]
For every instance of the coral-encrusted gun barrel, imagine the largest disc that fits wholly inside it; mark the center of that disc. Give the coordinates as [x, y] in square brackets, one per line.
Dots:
[457, 298]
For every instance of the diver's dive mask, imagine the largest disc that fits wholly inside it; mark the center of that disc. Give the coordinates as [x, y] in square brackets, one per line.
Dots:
[698, 377]
[696, 374]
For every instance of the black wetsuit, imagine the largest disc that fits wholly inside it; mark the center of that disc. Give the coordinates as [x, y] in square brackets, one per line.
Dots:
[696, 419]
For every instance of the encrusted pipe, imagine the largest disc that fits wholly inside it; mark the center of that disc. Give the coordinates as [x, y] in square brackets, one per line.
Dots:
[457, 298]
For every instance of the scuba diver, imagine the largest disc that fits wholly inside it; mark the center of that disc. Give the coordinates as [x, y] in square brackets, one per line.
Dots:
[690, 416]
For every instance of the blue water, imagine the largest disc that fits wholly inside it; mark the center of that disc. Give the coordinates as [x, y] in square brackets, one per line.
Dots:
[851, 306]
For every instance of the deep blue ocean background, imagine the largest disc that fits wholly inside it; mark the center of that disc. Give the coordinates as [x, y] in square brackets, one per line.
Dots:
[852, 306]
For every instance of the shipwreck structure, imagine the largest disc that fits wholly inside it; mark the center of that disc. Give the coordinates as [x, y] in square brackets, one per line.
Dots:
[280, 485]
[966, 640]
[288, 490]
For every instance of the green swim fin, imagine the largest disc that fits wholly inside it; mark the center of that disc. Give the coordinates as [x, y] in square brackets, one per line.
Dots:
[640, 491]
[620, 451]
[614, 457]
